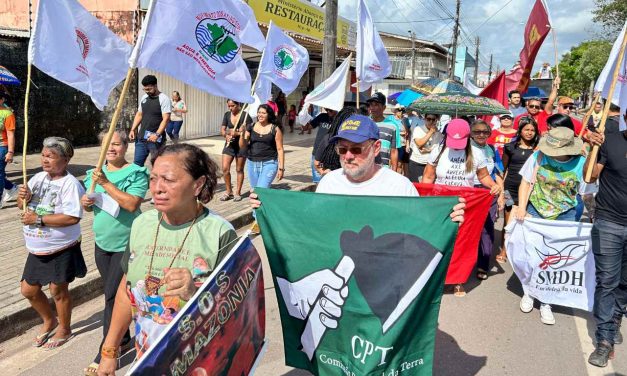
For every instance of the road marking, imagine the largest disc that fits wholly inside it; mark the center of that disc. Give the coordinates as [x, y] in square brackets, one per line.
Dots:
[587, 347]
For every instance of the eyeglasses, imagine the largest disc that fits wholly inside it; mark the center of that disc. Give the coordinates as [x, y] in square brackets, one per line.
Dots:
[430, 118]
[355, 150]
[534, 106]
[479, 133]
[567, 106]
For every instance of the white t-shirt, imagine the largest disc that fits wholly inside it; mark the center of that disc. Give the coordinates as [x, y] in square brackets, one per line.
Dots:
[417, 155]
[451, 168]
[384, 183]
[487, 153]
[61, 196]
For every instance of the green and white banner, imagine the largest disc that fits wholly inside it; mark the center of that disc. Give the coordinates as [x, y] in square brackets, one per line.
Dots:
[358, 279]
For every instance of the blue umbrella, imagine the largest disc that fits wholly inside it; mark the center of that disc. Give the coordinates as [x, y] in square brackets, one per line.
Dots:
[408, 97]
[8, 78]
[450, 87]
[534, 91]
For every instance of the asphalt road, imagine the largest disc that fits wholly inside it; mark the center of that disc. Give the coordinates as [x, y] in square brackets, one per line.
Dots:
[484, 333]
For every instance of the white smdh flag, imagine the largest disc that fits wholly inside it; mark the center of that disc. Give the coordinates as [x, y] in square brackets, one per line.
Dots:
[199, 42]
[373, 63]
[71, 45]
[329, 94]
[605, 78]
[553, 260]
[283, 63]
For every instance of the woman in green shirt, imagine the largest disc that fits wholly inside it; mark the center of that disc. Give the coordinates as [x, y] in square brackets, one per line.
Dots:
[171, 251]
[125, 183]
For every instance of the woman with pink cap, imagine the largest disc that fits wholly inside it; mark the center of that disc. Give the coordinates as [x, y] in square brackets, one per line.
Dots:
[456, 162]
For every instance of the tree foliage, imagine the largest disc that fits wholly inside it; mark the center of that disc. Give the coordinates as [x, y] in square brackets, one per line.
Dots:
[582, 65]
[611, 14]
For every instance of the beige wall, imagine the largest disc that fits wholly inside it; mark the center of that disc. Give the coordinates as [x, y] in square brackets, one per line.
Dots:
[14, 13]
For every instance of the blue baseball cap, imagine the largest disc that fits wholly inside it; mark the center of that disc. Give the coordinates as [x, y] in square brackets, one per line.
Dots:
[357, 129]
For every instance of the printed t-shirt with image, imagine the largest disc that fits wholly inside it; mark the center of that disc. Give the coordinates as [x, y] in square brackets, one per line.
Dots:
[421, 155]
[451, 168]
[112, 233]
[60, 196]
[208, 242]
[556, 183]
[493, 161]
[498, 139]
[390, 137]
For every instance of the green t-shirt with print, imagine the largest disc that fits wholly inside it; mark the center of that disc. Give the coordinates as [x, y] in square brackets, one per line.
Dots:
[209, 240]
[112, 233]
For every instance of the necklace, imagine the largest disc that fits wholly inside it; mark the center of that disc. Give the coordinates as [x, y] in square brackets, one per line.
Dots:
[153, 283]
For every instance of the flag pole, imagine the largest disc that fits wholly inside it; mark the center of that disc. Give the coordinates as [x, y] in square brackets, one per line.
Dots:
[588, 114]
[356, 83]
[25, 144]
[114, 120]
[606, 109]
[557, 66]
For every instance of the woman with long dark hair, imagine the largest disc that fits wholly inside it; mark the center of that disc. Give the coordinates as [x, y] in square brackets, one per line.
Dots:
[515, 154]
[234, 124]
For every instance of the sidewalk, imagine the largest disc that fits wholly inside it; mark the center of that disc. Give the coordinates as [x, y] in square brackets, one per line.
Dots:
[16, 315]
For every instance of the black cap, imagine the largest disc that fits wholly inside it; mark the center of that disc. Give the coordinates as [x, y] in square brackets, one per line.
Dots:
[377, 97]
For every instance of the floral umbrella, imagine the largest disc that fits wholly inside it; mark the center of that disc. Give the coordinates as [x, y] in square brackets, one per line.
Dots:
[426, 86]
[7, 78]
[450, 86]
[457, 105]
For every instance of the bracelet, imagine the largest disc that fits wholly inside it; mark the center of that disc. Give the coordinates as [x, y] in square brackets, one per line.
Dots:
[110, 352]
[282, 169]
[10, 152]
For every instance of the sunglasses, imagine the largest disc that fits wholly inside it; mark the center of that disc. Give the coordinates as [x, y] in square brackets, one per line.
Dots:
[479, 133]
[355, 150]
[535, 106]
[567, 106]
[430, 118]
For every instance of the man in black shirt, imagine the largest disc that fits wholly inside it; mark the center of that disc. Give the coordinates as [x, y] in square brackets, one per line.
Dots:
[151, 119]
[323, 123]
[609, 242]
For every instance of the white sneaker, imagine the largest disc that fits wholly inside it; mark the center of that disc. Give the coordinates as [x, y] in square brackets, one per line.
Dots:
[10, 195]
[526, 303]
[546, 315]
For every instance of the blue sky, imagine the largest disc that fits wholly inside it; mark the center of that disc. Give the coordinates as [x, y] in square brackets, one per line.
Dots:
[502, 35]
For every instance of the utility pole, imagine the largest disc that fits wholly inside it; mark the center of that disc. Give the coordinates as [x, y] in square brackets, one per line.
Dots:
[330, 38]
[490, 70]
[476, 60]
[413, 56]
[455, 34]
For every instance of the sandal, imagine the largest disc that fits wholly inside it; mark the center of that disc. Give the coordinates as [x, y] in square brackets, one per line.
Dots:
[237, 198]
[226, 197]
[42, 338]
[459, 291]
[54, 343]
[482, 274]
[91, 370]
[501, 258]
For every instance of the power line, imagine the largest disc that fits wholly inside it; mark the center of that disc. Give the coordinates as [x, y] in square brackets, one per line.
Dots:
[417, 21]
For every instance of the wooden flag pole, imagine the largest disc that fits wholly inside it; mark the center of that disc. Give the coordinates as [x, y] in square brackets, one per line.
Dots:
[25, 144]
[584, 122]
[606, 109]
[557, 66]
[114, 120]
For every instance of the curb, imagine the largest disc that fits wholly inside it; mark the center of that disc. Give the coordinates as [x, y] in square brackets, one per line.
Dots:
[20, 321]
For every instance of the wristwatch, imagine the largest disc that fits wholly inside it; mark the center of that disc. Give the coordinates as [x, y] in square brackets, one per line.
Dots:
[40, 221]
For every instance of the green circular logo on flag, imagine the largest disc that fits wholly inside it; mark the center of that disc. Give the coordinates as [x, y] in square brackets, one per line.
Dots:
[283, 58]
[217, 39]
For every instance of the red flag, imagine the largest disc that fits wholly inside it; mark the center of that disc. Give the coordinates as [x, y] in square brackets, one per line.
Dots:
[478, 202]
[538, 27]
[496, 90]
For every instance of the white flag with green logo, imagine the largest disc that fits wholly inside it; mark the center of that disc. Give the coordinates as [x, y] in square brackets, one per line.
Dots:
[200, 43]
[283, 63]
